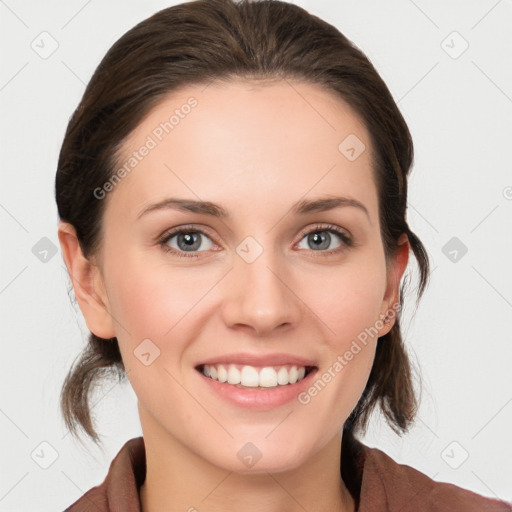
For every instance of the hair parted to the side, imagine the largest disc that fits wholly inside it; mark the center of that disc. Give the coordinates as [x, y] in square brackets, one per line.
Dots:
[199, 42]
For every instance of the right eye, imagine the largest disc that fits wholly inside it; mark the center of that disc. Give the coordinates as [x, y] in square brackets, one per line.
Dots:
[185, 240]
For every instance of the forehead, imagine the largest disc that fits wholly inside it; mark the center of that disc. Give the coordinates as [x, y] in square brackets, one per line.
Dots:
[273, 142]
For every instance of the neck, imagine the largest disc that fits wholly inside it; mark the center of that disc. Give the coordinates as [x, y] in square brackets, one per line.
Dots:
[179, 480]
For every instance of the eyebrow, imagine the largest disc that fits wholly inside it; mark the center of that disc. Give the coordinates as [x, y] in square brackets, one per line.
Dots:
[321, 204]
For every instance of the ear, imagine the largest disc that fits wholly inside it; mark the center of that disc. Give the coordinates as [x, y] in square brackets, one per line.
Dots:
[396, 268]
[87, 283]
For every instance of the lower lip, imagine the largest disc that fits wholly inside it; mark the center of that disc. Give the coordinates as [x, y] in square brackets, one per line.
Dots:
[259, 398]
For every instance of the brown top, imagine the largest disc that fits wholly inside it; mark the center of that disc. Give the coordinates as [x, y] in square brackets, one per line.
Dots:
[377, 483]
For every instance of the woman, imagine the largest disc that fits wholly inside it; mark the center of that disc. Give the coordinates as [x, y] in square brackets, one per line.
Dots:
[232, 192]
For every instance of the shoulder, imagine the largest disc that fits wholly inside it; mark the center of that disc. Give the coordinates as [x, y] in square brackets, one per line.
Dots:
[403, 488]
[120, 489]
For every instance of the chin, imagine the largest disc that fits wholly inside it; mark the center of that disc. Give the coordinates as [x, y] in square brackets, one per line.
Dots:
[253, 458]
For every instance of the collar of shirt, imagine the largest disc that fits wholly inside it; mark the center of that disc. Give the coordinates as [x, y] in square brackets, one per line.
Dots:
[377, 483]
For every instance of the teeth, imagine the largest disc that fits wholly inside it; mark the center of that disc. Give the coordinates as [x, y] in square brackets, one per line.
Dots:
[268, 378]
[249, 377]
[282, 376]
[222, 374]
[233, 375]
[252, 377]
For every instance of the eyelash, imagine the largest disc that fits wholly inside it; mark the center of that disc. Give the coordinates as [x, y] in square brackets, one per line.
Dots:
[319, 228]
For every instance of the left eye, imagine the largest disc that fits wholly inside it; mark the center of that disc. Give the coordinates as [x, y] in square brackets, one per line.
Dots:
[321, 240]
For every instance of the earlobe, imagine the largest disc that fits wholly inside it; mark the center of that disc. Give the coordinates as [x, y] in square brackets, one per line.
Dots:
[396, 269]
[87, 284]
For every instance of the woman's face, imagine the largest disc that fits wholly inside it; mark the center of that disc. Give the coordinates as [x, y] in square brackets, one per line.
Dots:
[280, 280]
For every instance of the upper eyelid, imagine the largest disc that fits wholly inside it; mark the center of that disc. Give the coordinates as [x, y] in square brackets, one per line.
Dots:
[170, 233]
[326, 227]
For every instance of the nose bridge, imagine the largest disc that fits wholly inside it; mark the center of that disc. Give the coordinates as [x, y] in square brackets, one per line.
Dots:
[258, 294]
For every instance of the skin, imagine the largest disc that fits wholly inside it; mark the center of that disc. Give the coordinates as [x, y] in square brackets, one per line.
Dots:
[255, 149]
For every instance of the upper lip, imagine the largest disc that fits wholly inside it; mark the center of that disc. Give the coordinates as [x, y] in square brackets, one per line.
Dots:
[279, 359]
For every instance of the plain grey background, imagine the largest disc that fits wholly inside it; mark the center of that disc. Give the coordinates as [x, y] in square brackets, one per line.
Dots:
[449, 67]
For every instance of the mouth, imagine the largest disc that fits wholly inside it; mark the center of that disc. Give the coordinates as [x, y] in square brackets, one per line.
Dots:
[259, 382]
[256, 377]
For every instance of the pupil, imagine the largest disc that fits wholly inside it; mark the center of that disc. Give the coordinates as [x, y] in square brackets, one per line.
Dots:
[190, 243]
[315, 237]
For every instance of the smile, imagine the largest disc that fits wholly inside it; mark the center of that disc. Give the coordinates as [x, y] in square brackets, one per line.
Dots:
[260, 382]
[254, 376]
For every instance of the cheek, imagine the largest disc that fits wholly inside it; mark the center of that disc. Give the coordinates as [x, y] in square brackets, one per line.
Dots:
[161, 303]
[149, 301]
[347, 299]
[156, 303]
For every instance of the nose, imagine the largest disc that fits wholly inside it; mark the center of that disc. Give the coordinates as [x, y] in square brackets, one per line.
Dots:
[260, 296]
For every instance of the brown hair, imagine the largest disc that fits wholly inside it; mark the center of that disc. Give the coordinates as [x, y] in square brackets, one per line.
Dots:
[197, 42]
